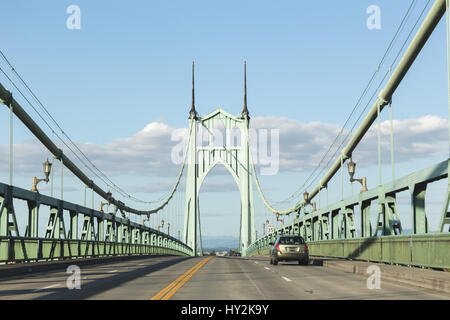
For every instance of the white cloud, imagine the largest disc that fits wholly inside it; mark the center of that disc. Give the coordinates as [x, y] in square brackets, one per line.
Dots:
[208, 186]
[302, 145]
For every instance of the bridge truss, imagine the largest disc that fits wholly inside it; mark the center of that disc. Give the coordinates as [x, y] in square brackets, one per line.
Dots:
[330, 231]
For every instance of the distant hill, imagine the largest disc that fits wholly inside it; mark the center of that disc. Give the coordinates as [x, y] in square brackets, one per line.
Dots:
[219, 243]
[225, 243]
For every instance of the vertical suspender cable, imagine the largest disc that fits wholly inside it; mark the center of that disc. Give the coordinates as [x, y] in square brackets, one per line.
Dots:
[447, 33]
[379, 134]
[392, 140]
[342, 177]
[85, 187]
[448, 63]
[11, 133]
[379, 143]
[62, 179]
[51, 182]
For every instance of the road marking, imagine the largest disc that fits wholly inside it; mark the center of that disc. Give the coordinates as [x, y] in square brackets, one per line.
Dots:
[287, 279]
[266, 268]
[170, 290]
[47, 287]
[112, 271]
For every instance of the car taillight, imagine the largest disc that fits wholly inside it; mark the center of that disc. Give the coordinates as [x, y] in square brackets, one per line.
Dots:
[306, 247]
[278, 247]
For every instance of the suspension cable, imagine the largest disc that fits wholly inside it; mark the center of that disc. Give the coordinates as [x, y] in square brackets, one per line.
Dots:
[369, 84]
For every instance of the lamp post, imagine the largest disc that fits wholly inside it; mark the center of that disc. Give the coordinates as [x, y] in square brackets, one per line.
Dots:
[144, 220]
[101, 205]
[308, 201]
[351, 171]
[108, 197]
[306, 197]
[47, 166]
[168, 229]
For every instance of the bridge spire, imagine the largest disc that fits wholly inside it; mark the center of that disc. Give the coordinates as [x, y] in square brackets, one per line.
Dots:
[193, 112]
[245, 113]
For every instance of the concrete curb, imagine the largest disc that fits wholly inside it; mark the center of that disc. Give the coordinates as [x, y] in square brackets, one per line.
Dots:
[18, 269]
[420, 278]
[410, 276]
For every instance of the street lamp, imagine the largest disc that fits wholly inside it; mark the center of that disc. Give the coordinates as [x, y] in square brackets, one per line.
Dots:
[47, 166]
[308, 201]
[101, 205]
[351, 171]
[168, 229]
[162, 223]
[306, 196]
[108, 198]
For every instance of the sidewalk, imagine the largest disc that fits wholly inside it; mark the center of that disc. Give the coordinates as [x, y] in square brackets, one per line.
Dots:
[17, 269]
[411, 276]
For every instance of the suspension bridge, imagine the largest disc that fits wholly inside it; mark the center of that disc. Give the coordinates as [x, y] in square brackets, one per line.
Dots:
[166, 237]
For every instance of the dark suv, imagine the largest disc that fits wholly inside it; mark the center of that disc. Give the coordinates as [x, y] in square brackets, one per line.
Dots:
[289, 248]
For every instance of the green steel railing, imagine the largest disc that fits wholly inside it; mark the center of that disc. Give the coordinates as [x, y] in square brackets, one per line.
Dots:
[102, 234]
[332, 231]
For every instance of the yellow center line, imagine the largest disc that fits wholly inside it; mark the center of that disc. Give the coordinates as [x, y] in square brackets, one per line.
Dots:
[170, 290]
[170, 286]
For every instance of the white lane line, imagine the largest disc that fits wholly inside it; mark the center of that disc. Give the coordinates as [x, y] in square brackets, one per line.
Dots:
[266, 268]
[112, 271]
[287, 279]
[47, 287]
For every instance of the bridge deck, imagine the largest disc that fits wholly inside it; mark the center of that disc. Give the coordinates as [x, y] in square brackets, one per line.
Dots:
[228, 278]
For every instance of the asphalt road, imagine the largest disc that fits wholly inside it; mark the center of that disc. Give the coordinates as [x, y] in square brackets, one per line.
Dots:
[225, 278]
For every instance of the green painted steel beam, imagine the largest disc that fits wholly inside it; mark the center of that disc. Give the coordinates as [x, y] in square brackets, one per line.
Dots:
[56, 227]
[426, 29]
[7, 99]
[416, 184]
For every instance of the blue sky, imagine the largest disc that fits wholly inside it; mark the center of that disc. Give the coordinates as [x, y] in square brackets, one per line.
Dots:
[130, 63]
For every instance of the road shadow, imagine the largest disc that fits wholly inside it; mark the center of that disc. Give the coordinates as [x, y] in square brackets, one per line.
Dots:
[97, 286]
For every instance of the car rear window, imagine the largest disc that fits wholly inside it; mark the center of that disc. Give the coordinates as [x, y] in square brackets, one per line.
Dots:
[291, 240]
